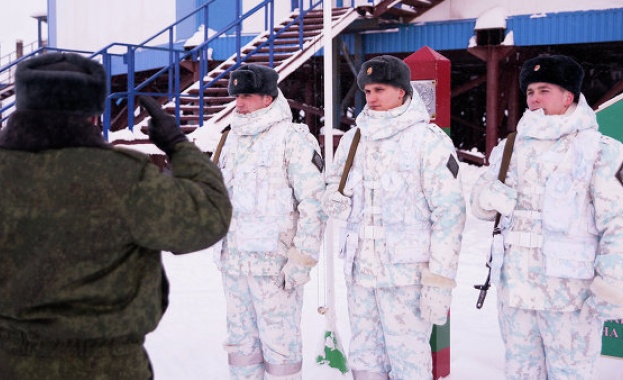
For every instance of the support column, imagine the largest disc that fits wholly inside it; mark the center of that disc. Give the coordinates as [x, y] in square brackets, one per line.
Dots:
[492, 54]
[491, 117]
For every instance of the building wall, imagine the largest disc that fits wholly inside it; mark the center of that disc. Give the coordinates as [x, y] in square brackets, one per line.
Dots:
[91, 25]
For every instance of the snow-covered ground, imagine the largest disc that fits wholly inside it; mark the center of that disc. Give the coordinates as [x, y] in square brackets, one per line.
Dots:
[188, 342]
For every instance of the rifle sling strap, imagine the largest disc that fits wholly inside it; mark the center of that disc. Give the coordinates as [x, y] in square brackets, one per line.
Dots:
[506, 160]
[219, 147]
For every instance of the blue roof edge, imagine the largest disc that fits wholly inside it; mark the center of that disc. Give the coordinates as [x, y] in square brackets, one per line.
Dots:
[559, 28]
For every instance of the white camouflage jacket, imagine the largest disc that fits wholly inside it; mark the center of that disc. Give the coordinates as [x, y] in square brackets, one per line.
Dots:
[562, 210]
[273, 172]
[408, 208]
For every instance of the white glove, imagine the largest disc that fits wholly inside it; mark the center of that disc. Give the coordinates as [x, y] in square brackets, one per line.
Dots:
[334, 204]
[499, 197]
[588, 311]
[606, 301]
[436, 297]
[296, 271]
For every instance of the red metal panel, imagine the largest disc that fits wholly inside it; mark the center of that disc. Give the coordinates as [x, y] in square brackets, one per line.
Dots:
[427, 64]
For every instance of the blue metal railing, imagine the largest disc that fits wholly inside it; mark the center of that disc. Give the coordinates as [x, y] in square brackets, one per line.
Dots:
[7, 76]
[9, 70]
[175, 56]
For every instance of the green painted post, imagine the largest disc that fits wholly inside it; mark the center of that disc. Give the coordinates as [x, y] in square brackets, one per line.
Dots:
[440, 349]
[610, 119]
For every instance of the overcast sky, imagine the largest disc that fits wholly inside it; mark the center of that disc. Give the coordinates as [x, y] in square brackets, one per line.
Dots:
[16, 22]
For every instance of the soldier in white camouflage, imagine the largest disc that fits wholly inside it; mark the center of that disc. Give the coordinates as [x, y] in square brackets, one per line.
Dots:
[82, 224]
[559, 274]
[273, 171]
[405, 212]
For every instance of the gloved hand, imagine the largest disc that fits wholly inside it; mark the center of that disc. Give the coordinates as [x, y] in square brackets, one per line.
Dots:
[435, 297]
[589, 312]
[606, 300]
[498, 197]
[296, 270]
[334, 204]
[162, 128]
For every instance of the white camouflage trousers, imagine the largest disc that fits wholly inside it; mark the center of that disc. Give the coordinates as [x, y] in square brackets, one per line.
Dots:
[389, 340]
[549, 344]
[263, 326]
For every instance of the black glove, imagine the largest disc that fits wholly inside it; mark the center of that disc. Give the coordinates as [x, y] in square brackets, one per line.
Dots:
[162, 129]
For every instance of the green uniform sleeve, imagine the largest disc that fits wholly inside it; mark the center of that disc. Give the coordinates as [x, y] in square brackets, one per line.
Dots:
[183, 212]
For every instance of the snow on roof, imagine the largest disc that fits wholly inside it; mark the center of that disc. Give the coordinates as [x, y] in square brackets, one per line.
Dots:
[509, 39]
[39, 14]
[197, 38]
[494, 18]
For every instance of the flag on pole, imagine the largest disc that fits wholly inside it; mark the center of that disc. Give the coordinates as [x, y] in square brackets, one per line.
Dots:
[331, 352]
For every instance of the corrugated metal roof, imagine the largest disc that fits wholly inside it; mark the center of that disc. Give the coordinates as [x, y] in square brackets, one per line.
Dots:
[448, 35]
[568, 27]
[546, 29]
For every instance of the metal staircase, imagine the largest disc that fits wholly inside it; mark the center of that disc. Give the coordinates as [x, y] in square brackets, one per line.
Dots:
[294, 43]
[403, 11]
[7, 86]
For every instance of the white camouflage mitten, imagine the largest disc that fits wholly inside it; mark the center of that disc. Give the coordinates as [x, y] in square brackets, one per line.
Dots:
[334, 204]
[435, 297]
[296, 270]
[606, 301]
[499, 197]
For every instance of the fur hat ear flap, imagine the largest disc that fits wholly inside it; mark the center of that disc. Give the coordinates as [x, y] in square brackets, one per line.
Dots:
[556, 69]
[253, 79]
[385, 69]
[61, 82]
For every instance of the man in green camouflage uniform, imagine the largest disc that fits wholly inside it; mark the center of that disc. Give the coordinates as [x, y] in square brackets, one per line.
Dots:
[82, 225]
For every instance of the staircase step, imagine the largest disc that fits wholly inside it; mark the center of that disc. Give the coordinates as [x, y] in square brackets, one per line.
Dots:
[7, 91]
[217, 102]
[210, 91]
[206, 100]
[290, 41]
[195, 118]
[195, 109]
[295, 33]
[297, 27]
[279, 49]
[266, 57]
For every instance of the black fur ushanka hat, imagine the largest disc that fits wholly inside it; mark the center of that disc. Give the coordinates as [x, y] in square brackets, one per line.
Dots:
[61, 82]
[385, 69]
[253, 79]
[557, 69]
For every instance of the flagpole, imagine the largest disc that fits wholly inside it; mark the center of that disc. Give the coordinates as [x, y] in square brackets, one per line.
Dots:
[331, 352]
[328, 143]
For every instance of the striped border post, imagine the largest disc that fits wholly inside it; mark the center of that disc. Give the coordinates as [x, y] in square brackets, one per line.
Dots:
[440, 349]
[612, 338]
